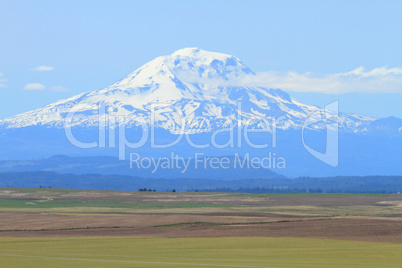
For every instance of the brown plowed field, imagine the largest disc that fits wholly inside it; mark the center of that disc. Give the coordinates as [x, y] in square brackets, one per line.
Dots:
[56, 212]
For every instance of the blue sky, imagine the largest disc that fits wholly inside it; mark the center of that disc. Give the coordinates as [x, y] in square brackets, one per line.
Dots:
[313, 49]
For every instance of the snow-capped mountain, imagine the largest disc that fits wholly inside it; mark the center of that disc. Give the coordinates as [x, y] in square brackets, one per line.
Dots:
[191, 91]
[204, 94]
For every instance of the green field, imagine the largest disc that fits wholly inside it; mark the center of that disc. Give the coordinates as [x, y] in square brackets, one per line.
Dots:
[23, 204]
[37, 200]
[195, 252]
[83, 228]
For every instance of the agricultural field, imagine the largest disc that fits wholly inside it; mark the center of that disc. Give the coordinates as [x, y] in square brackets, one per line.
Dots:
[196, 252]
[59, 227]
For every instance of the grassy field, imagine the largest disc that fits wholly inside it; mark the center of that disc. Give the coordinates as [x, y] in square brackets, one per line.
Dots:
[84, 201]
[82, 228]
[195, 252]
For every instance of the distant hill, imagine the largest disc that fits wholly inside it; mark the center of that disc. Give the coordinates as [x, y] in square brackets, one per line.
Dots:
[107, 165]
[371, 184]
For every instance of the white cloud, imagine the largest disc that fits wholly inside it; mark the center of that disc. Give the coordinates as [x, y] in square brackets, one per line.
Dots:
[43, 68]
[59, 88]
[34, 86]
[382, 71]
[377, 80]
[40, 87]
[2, 81]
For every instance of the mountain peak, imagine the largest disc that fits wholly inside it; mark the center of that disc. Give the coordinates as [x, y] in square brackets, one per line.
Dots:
[197, 53]
[188, 65]
[206, 64]
[195, 81]
[187, 51]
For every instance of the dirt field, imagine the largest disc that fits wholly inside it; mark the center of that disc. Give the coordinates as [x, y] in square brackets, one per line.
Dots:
[58, 212]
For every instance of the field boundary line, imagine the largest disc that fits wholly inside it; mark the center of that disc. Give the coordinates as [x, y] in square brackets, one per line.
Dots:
[143, 262]
[200, 264]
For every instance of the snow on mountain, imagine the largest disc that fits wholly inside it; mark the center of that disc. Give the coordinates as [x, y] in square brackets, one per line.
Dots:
[192, 91]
